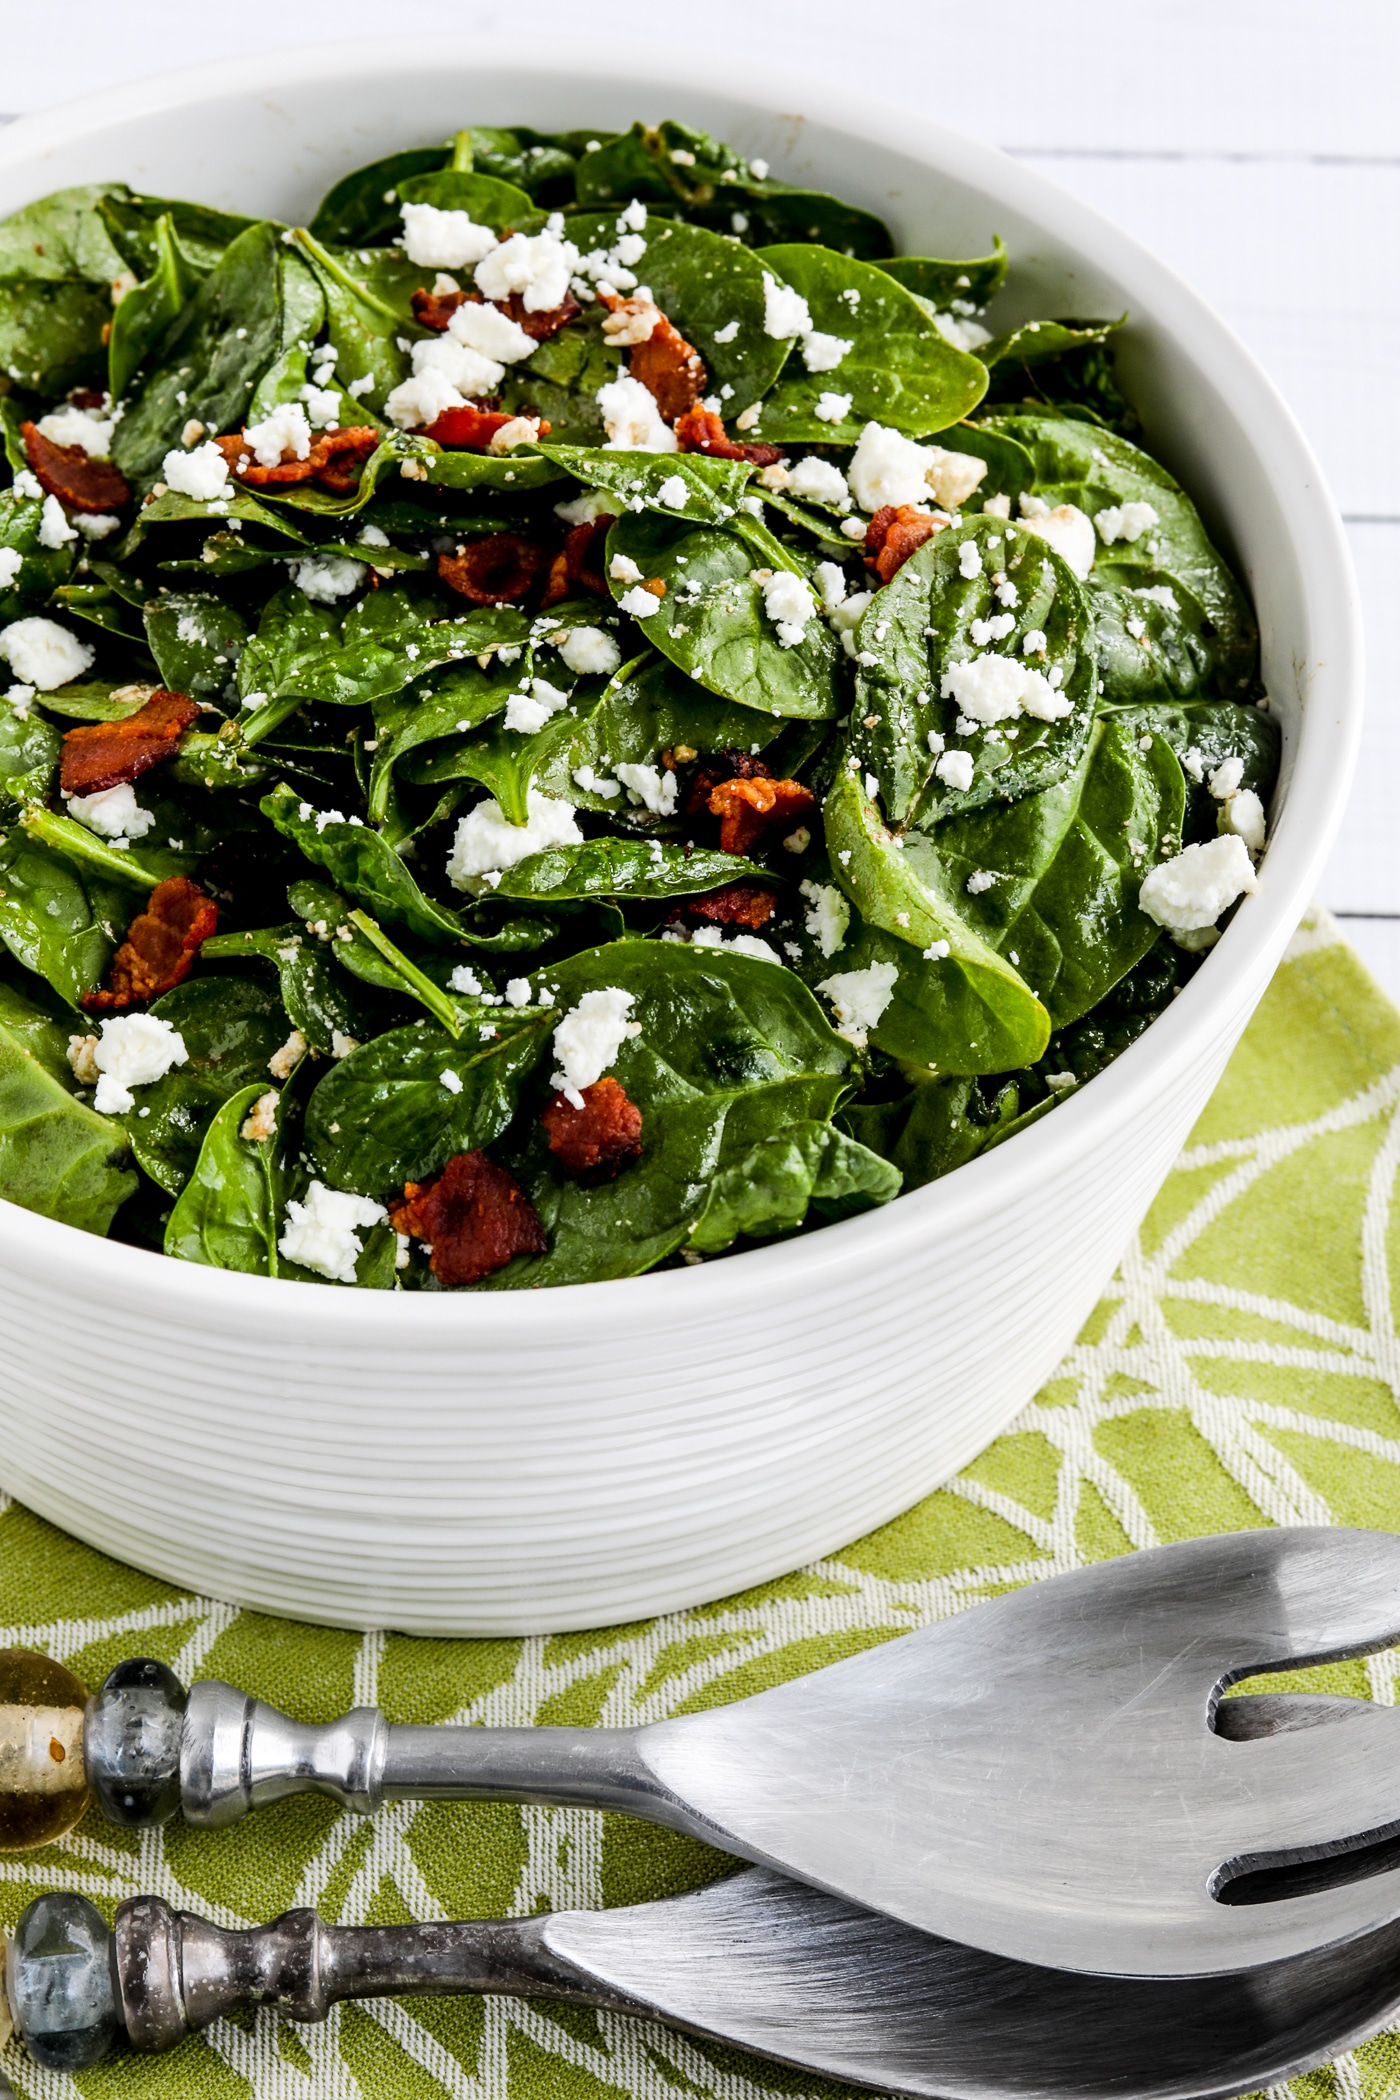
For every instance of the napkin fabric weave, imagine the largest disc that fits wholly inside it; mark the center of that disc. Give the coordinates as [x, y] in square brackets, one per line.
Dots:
[1242, 1369]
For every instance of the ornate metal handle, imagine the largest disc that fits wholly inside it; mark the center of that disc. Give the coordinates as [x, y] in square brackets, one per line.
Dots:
[159, 1974]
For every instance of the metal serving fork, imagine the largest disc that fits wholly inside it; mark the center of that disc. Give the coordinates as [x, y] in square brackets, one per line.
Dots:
[1039, 1777]
[754, 1960]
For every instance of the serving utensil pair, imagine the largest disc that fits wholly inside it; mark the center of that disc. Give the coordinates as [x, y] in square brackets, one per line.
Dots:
[1047, 1784]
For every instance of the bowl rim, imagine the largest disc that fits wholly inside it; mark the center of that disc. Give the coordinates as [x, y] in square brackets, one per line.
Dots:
[113, 1271]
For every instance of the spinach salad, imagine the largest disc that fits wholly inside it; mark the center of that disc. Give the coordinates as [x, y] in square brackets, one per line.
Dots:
[575, 713]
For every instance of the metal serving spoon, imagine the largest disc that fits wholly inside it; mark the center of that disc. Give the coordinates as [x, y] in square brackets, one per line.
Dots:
[755, 1960]
[1039, 1777]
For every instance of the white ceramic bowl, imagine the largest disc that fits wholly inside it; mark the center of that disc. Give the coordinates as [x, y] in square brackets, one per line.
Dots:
[484, 1464]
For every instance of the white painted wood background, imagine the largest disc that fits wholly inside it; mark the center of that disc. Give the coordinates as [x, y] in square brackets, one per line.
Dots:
[1255, 144]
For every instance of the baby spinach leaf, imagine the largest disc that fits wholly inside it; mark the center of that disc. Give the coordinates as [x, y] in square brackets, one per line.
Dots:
[504, 761]
[60, 920]
[241, 506]
[966, 1010]
[532, 160]
[712, 622]
[1034, 342]
[57, 1155]
[346, 658]
[362, 863]
[1203, 734]
[382, 1116]
[938, 1125]
[924, 623]
[764, 213]
[1153, 641]
[1079, 463]
[230, 1027]
[560, 381]
[42, 569]
[96, 700]
[63, 235]
[899, 370]
[363, 207]
[951, 287]
[51, 334]
[1067, 865]
[486, 200]
[149, 308]
[768, 1191]
[368, 314]
[732, 1050]
[228, 1214]
[75, 842]
[708, 489]
[612, 867]
[196, 640]
[29, 754]
[303, 318]
[315, 999]
[703, 284]
[453, 705]
[209, 361]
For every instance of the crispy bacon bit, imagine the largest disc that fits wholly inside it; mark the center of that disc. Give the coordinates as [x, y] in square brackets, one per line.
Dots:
[737, 904]
[160, 946]
[335, 460]
[701, 430]
[748, 808]
[592, 1142]
[726, 765]
[494, 571]
[893, 535]
[468, 429]
[474, 1216]
[435, 309]
[104, 754]
[671, 369]
[579, 561]
[87, 397]
[66, 471]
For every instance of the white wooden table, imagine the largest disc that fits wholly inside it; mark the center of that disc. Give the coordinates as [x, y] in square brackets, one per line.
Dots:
[1255, 144]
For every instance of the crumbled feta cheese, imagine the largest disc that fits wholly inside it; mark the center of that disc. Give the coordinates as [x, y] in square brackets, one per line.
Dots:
[969, 560]
[1225, 780]
[954, 769]
[284, 1062]
[1243, 815]
[1033, 642]
[28, 486]
[260, 1123]
[444, 240]
[284, 433]
[846, 616]
[113, 813]
[322, 405]
[673, 493]
[785, 312]
[823, 353]
[363, 385]
[737, 943]
[980, 879]
[537, 265]
[631, 417]
[97, 525]
[490, 333]
[859, 997]
[623, 569]
[797, 841]
[1067, 530]
[54, 528]
[326, 577]
[1061, 1082]
[639, 602]
[888, 468]
[420, 400]
[633, 217]
[451, 1080]
[202, 473]
[594, 503]
[1125, 521]
[43, 654]
[830, 580]
[832, 408]
[464, 979]
[86, 428]
[652, 786]
[21, 699]
[590, 782]
[994, 629]
[1159, 594]
[937, 951]
[589, 651]
[829, 920]
[998, 688]
[789, 604]
[1193, 764]
[759, 170]
[528, 711]
[11, 562]
[953, 476]
[727, 333]
[462, 367]
[588, 1039]
[486, 842]
[517, 991]
[962, 334]
[134, 1050]
[1189, 892]
[818, 481]
[323, 1233]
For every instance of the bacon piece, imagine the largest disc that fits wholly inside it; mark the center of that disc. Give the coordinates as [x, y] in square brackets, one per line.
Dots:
[671, 369]
[160, 946]
[468, 429]
[475, 1217]
[335, 460]
[87, 397]
[737, 904]
[701, 430]
[66, 471]
[579, 561]
[592, 1142]
[728, 765]
[435, 309]
[894, 534]
[495, 571]
[748, 808]
[103, 754]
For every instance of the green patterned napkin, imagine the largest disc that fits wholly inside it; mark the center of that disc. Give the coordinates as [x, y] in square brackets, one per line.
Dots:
[1242, 1369]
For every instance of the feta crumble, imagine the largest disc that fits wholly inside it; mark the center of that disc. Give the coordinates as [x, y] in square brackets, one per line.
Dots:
[829, 919]
[323, 1233]
[953, 476]
[823, 353]
[43, 654]
[832, 408]
[486, 842]
[133, 1050]
[623, 569]
[325, 578]
[639, 603]
[888, 468]
[589, 650]
[528, 711]
[737, 943]
[202, 473]
[284, 1062]
[451, 1080]
[113, 813]
[969, 560]
[632, 419]
[859, 997]
[998, 688]
[588, 1039]
[593, 784]
[789, 604]
[54, 528]
[537, 265]
[444, 240]
[86, 428]
[785, 312]
[490, 333]
[260, 1123]
[1066, 529]
[11, 562]
[818, 481]
[1125, 521]
[1189, 892]
[650, 786]
[284, 433]
[673, 493]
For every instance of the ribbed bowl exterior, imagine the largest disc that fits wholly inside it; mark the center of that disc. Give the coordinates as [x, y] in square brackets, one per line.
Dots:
[502, 1464]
